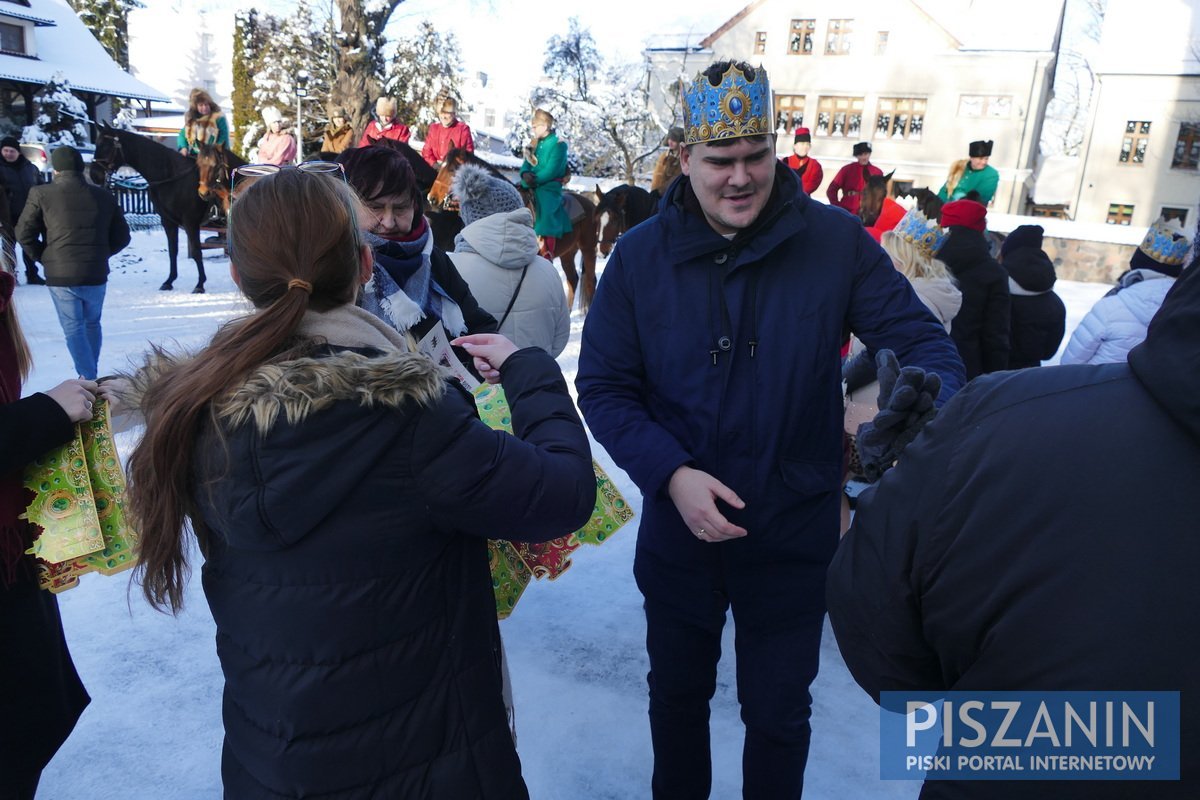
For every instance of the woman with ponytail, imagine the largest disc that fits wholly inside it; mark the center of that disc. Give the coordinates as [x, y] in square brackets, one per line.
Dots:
[340, 490]
[41, 696]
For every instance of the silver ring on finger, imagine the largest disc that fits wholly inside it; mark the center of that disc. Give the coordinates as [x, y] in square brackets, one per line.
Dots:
[700, 533]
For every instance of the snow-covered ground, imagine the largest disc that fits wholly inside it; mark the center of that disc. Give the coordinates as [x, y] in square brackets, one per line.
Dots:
[575, 646]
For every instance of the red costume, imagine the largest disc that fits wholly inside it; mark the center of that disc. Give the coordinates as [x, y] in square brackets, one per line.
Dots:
[441, 140]
[809, 170]
[850, 181]
[397, 131]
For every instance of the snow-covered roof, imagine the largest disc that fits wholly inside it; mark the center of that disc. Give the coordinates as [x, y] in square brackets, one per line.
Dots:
[1055, 181]
[67, 47]
[18, 12]
[1020, 25]
[1173, 26]
[675, 41]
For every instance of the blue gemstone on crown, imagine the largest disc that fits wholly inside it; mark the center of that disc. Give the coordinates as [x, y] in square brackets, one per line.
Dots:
[735, 105]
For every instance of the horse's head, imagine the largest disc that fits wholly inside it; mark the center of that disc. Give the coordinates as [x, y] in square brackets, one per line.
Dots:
[610, 217]
[439, 192]
[109, 155]
[871, 202]
[214, 174]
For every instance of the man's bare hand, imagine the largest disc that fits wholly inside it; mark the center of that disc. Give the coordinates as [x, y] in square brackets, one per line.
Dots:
[695, 493]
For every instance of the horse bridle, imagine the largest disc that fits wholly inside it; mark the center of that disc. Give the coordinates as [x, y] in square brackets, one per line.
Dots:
[110, 166]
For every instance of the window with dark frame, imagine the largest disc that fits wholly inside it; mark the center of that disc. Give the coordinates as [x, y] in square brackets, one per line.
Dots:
[837, 37]
[789, 112]
[839, 116]
[1187, 147]
[900, 118]
[1119, 214]
[1169, 213]
[12, 38]
[980, 106]
[1135, 142]
[800, 37]
[760, 42]
[881, 43]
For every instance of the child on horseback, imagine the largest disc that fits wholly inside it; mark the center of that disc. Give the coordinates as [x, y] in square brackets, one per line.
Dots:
[542, 172]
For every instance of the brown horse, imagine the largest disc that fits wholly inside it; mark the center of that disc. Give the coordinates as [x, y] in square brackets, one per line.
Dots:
[581, 240]
[216, 165]
[619, 209]
[871, 201]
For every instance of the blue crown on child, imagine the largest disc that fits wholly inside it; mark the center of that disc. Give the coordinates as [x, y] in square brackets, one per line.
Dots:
[917, 229]
[736, 106]
[1165, 243]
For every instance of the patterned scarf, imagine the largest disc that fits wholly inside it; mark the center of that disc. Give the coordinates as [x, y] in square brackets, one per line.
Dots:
[402, 289]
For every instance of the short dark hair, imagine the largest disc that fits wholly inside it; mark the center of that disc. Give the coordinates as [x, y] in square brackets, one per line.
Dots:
[377, 171]
[716, 71]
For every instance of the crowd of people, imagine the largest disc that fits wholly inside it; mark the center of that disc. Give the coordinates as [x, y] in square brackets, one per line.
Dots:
[748, 351]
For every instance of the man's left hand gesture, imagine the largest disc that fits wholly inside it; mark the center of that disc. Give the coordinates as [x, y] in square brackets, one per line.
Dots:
[695, 493]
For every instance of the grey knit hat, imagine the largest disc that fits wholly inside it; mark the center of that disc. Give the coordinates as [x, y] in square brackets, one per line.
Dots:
[481, 195]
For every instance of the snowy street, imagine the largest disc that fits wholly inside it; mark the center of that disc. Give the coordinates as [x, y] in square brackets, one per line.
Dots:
[575, 646]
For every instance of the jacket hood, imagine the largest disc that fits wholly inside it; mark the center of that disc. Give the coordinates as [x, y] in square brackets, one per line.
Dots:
[1030, 268]
[963, 248]
[289, 433]
[940, 296]
[506, 239]
[1168, 362]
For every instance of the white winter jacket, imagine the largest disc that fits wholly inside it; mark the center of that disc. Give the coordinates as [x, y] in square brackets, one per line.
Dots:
[1117, 323]
[490, 254]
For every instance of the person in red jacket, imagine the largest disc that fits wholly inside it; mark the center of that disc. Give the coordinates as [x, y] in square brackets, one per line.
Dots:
[384, 126]
[446, 135]
[852, 179]
[809, 169]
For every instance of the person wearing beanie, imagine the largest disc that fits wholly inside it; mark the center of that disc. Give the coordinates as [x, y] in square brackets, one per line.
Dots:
[385, 125]
[497, 255]
[17, 177]
[276, 147]
[1118, 321]
[809, 169]
[667, 169]
[1038, 319]
[851, 179]
[339, 136]
[73, 228]
[449, 133]
[981, 327]
[972, 174]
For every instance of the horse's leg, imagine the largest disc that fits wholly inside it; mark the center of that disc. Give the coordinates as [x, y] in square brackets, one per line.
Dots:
[588, 257]
[566, 257]
[197, 254]
[172, 231]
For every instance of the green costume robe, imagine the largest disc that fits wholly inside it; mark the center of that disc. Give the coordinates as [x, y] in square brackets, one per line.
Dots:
[983, 181]
[550, 218]
[209, 129]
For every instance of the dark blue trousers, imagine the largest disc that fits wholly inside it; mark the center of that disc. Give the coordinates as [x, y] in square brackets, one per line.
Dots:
[777, 657]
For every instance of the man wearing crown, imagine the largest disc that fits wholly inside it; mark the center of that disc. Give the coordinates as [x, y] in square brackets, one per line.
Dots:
[710, 370]
[1118, 321]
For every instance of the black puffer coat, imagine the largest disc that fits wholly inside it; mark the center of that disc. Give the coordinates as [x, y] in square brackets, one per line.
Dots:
[347, 571]
[1040, 535]
[1039, 317]
[72, 228]
[18, 177]
[981, 327]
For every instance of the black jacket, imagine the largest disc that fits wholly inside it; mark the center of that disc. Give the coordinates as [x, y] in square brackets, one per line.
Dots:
[1041, 535]
[41, 696]
[981, 327]
[347, 571]
[1039, 317]
[18, 178]
[72, 228]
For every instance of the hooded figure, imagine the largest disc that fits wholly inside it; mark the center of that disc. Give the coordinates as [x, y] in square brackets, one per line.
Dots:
[1039, 317]
[497, 255]
[1118, 321]
[1024, 542]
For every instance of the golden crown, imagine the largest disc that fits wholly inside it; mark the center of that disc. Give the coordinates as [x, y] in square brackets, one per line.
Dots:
[735, 106]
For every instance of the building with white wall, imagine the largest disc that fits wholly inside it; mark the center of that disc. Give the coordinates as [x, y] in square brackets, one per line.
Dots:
[176, 45]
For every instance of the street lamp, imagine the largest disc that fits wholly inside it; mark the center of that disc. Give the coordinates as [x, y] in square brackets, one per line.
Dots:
[301, 93]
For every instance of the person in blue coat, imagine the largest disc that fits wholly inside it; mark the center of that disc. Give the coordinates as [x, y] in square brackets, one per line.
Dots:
[710, 370]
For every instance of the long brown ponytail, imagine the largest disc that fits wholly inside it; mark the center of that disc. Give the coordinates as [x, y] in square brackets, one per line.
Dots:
[286, 231]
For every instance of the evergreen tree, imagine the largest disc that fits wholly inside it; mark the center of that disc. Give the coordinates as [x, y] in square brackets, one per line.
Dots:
[425, 68]
[108, 21]
[359, 69]
[250, 34]
[61, 117]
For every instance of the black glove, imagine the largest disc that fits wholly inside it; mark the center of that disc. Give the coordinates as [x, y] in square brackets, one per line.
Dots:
[529, 179]
[906, 398]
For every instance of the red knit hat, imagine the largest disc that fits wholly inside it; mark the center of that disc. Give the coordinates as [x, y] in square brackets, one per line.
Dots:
[966, 213]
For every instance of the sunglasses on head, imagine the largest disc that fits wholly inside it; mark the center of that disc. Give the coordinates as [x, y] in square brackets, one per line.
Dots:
[263, 170]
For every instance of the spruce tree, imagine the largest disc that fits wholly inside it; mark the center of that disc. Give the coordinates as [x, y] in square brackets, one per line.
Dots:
[426, 68]
[108, 21]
